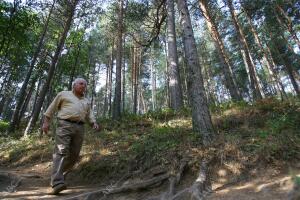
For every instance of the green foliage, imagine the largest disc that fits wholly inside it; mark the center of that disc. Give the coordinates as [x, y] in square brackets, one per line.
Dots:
[167, 113]
[19, 151]
[297, 180]
[3, 126]
[220, 108]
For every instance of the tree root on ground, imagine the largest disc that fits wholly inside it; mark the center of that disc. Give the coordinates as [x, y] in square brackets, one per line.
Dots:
[102, 193]
[197, 191]
[200, 188]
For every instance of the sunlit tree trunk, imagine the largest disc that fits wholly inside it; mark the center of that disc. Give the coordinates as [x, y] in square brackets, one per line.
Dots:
[123, 79]
[105, 106]
[4, 82]
[5, 91]
[111, 69]
[292, 73]
[201, 118]
[26, 101]
[173, 68]
[136, 69]
[69, 13]
[254, 83]
[15, 118]
[288, 23]
[267, 58]
[226, 67]
[153, 81]
[167, 93]
[118, 87]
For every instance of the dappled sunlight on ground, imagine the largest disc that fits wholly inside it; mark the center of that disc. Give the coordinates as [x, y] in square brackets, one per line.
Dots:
[263, 187]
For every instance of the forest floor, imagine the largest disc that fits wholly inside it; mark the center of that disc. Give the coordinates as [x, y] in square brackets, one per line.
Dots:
[256, 157]
[266, 183]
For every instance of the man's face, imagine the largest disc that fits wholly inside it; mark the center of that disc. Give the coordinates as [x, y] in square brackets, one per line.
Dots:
[80, 87]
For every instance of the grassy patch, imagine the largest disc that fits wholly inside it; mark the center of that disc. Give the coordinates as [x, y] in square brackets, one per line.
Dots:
[3, 126]
[24, 150]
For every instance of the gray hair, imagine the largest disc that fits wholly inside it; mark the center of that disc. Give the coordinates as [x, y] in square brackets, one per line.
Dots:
[77, 80]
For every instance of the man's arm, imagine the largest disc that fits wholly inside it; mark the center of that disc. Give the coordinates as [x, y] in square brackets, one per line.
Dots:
[50, 112]
[92, 120]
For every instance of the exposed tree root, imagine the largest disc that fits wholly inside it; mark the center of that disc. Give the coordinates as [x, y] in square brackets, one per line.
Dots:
[197, 191]
[98, 194]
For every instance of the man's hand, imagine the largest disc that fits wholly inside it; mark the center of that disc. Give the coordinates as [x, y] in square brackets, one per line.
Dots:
[96, 127]
[45, 126]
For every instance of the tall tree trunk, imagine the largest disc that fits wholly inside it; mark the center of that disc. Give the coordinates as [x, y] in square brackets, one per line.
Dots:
[26, 102]
[174, 75]
[69, 13]
[201, 118]
[123, 79]
[5, 80]
[111, 69]
[288, 23]
[118, 86]
[230, 83]
[135, 78]
[15, 119]
[153, 81]
[167, 94]
[5, 92]
[105, 106]
[266, 56]
[292, 73]
[254, 83]
[209, 82]
[93, 93]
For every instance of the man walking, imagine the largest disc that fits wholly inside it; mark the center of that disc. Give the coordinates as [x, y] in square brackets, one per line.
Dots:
[73, 110]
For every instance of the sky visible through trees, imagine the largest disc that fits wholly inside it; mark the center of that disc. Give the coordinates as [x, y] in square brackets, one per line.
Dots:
[135, 62]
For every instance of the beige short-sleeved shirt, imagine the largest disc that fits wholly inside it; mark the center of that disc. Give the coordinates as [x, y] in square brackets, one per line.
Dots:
[71, 107]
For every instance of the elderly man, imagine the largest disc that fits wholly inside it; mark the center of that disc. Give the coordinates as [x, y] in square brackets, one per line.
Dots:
[73, 110]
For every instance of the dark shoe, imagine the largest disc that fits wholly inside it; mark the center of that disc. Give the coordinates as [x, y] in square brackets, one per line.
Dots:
[58, 188]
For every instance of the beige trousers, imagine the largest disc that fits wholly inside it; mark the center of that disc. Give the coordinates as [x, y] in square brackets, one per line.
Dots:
[68, 142]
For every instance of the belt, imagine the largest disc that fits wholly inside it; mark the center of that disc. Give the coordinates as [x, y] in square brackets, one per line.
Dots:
[71, 121]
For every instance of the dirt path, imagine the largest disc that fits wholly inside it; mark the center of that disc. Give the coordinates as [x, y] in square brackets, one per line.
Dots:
[33, 183]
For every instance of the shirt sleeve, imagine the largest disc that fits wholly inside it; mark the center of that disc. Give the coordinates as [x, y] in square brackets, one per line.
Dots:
[53, 107]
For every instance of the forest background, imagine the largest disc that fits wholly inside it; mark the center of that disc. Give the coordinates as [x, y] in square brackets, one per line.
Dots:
[155, 60]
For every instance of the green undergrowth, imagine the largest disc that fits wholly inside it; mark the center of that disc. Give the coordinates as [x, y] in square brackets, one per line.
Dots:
[265, 132]
[3, 126]
[22, 151]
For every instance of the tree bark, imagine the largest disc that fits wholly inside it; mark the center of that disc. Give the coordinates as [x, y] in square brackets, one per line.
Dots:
[153, 81]
[118, 87]
[111, 69]
[15, 119]
[288, 24]
[173, 68]
[123, 80]
[69, 13]
[105, 106]
[230, 83]
[135, 78]
[5, 91]
[201, 118]
[253, 79]
[275, 81]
